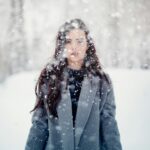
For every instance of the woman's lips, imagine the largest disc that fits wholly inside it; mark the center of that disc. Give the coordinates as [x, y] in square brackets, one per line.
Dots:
[74, 54]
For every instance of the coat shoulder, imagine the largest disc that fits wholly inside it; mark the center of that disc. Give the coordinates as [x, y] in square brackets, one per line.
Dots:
[105, 84]
[106, 79]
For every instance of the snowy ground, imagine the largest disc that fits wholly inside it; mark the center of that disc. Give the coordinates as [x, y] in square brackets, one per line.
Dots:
[132, 99]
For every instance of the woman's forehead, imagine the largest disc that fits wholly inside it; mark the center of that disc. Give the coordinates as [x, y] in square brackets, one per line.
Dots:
[75, 33]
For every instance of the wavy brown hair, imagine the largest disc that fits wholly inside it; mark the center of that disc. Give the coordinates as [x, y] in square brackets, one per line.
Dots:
[48, 86]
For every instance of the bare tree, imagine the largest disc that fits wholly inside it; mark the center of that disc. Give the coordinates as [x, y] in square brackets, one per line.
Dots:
[16, 54]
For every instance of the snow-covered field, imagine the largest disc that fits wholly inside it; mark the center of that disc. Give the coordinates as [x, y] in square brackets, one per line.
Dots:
[132, 94]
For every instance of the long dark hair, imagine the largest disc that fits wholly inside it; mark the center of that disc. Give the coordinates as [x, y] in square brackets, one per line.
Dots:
[48, 86]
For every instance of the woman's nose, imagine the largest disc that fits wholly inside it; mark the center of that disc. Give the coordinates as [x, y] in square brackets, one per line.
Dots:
[74, 46]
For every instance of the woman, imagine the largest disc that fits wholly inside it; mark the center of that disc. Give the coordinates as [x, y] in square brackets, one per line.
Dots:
[75, 107]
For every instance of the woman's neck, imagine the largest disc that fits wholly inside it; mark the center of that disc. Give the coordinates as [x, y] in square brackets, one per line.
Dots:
[74, 66]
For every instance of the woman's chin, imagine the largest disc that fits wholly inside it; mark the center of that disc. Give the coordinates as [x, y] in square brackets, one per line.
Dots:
[74, 59]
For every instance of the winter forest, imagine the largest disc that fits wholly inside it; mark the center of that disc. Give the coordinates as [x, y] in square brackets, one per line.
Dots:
[121, 33]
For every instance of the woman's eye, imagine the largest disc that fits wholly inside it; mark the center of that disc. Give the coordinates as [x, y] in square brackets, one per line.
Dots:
[80, 41]
[68, 41]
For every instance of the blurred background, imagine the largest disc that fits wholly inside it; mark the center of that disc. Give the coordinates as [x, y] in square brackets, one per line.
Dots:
[120, 29]
[121, 32]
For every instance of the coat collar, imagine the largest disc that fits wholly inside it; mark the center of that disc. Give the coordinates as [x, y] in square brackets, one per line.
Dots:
[64, 110]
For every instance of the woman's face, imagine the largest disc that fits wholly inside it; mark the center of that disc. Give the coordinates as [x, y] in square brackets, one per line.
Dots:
[76, 45]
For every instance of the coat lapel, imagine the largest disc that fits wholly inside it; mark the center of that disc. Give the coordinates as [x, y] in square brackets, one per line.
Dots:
[64, 110]
[86, 99]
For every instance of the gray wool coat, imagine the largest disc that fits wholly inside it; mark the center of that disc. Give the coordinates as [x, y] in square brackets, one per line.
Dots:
[95, 129]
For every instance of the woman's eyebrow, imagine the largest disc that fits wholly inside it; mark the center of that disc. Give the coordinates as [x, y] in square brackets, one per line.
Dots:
[82, 38]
